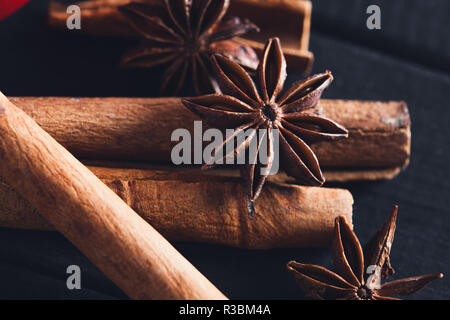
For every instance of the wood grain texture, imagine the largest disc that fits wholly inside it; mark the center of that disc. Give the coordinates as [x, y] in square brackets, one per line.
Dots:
[68, 195]
[102, 18]
[187, 206]
[140, 129]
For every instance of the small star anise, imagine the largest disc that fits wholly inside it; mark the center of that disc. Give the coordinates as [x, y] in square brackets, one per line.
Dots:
[358, 276]
[184, 34]
[244, 105]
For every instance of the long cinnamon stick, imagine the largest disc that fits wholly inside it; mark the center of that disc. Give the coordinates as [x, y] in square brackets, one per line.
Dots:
[125, 247]
[102, 18]
[140, 129]
[188, 206]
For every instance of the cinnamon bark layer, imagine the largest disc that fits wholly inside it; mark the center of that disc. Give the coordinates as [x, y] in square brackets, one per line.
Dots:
[69, 196]
[102, 18]
[187, 206]
[140, 129]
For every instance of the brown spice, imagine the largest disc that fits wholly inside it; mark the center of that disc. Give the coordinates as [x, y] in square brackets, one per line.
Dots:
[116, 239]
[183, 35]
[358, 275]
[102, 18]
[247, 107]
[129, 129]
[186, 205]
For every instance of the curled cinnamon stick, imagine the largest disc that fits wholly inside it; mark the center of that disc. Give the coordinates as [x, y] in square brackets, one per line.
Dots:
[126, 248]
[140, 129]
[188, 206]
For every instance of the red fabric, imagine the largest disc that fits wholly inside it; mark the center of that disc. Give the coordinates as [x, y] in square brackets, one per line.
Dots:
[8, 7]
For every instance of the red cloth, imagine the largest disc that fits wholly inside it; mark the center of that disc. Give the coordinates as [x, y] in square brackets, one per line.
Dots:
[8, 7]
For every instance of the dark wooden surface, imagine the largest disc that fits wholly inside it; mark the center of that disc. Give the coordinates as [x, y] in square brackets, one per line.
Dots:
[406, 60]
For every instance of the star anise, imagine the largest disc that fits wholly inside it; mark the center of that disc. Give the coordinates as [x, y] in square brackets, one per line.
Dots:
[244, 105]
[183, 34]
[358, 276]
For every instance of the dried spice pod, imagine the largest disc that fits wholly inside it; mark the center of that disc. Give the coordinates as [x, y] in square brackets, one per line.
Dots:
[245, 106]
[358, 275]
[183, 34]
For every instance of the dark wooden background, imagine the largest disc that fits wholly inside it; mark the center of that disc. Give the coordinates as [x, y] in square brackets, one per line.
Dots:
[409, 59]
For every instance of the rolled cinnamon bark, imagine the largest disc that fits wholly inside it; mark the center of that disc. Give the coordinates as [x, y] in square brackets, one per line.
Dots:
[68, 195]
[140, 129]
[185, 205]
[102, 18]
[293, 32]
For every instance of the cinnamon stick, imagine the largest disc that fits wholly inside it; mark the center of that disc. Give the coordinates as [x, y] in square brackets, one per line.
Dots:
[125, 247]
[293, 32]
[139, 129]
[102, 18]
[185, 205]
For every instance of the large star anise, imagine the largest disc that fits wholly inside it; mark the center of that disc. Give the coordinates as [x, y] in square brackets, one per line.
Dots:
[358, 276]
[244, 105]
[183, 34]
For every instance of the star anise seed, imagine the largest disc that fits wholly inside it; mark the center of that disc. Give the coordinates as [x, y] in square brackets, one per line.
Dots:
[184, 34]
[358, 276]
[244, 105]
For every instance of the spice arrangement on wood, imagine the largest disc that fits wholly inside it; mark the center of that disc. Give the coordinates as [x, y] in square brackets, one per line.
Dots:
[101, 171]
